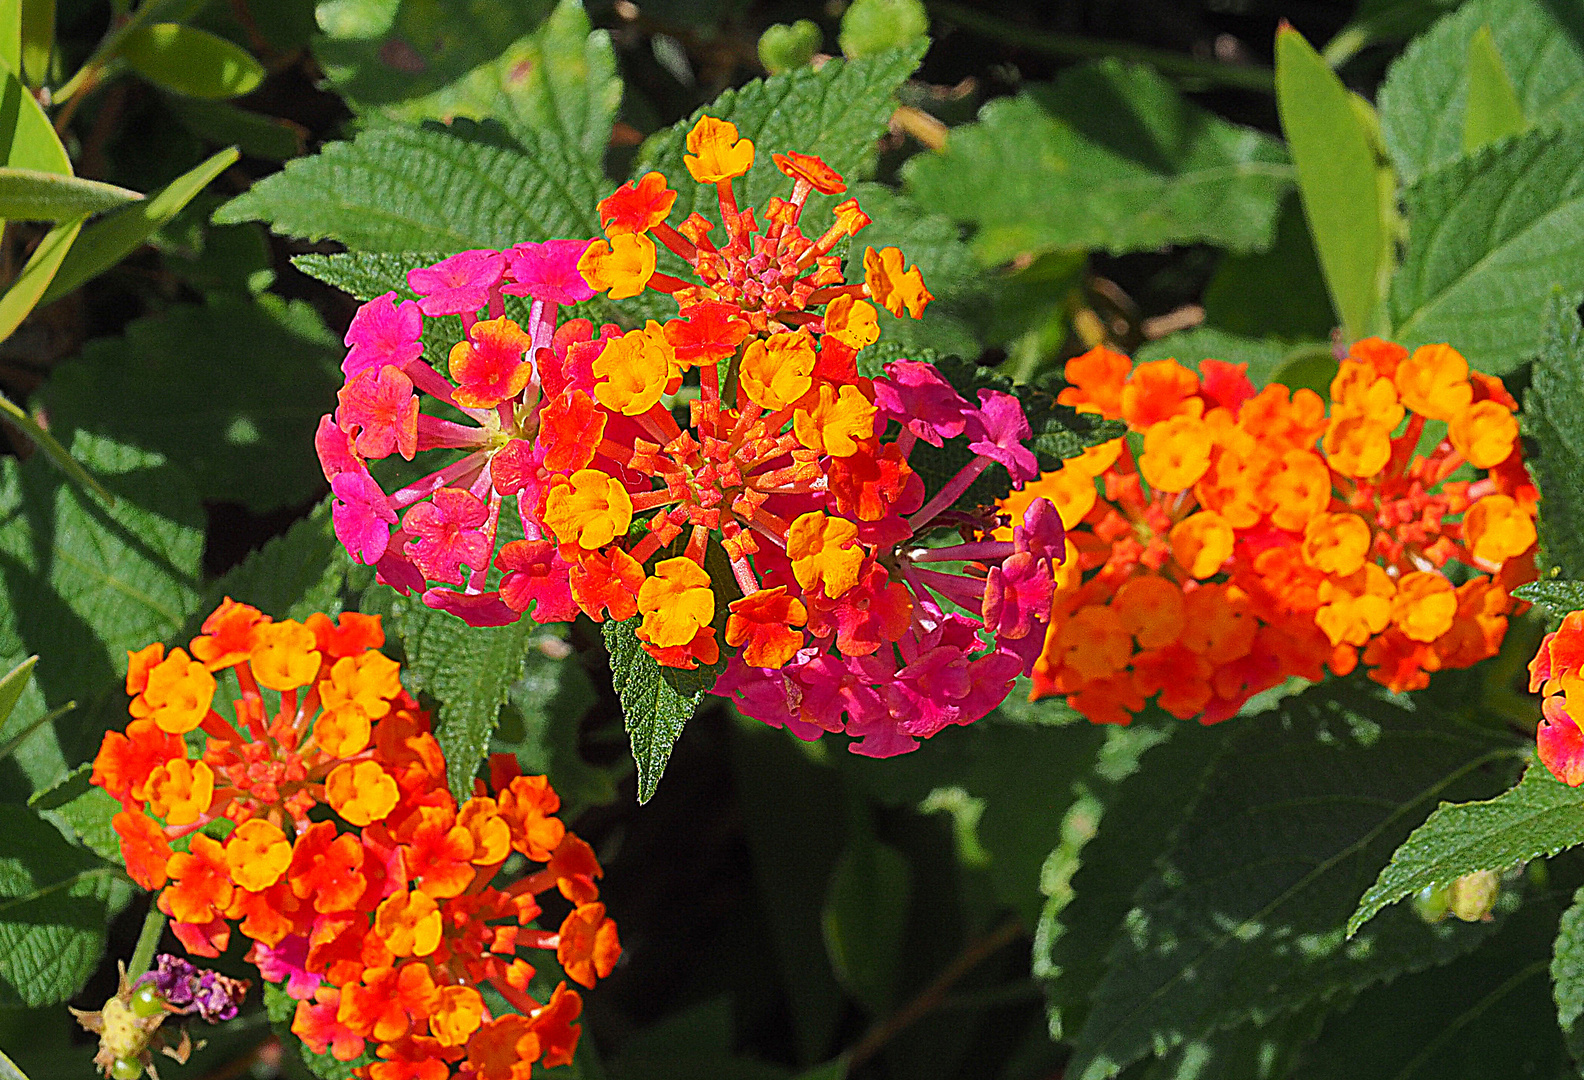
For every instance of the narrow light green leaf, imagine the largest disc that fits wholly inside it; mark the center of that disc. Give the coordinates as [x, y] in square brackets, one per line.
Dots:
[11, 34]
[26, 133]
[12, 685]
[1244, 916]
[1560, 597]
[1338, 178]
[11, 744]
[397, 188]
[1554, 416]
[38, 40]
[1109, 156]
[1567, 975]
[52, 448]
[121, 232]
[291, 576]
[52, 911]
[33, 195]
[864, 916]
[469, 670]
[27, 290]
[1379, 21]
[1429, 89]
[9, 1071]
[191, 61]
[1540, 816]
[653, 707]
[255, 134]
[1493, 110]
[159, 387]
[1490, 236]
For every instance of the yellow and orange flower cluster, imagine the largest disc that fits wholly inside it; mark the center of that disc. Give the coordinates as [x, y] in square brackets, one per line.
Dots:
[382, 918]
[1236, 538]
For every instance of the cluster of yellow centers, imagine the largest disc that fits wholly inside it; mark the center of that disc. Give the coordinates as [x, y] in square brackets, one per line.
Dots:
[1236, 538]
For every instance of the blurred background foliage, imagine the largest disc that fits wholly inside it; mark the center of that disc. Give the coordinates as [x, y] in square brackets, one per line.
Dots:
[1031, 898]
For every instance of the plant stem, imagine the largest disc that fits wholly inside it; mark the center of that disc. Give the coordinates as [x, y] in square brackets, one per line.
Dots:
[148, 940]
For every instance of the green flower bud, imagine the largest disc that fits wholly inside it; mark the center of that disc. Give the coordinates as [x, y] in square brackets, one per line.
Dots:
[126, 1069]
[873, 26]
[1431, 904]
[147, 1002]
[784, 47]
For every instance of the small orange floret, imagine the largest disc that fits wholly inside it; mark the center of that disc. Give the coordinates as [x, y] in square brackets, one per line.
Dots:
[765, 624]
[228, 635]
[489, 366]
[1097, 377]
[409, 923]
[589, 946]
[637, 208]
[824, 553]
[1158, 391]
[361, 792]
[777, 372]
[180, 790]
[257, 854]
[676, 602]
[143, 846]
[715, 153]
[590, 509]
[623, 265]
[176, 693]
[811, 170]
[1434, 382]
[891, 288]
[202, 886]
[285, 656]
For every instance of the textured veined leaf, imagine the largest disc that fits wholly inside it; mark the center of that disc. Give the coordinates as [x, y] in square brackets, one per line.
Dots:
[1567, 974]
[654, 707]
[1554, 415]
[1559, 597]
[1493, 110]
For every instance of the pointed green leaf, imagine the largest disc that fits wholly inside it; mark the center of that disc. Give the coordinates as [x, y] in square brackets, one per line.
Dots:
[256, 135]
[52, 448]
[1339, 180]
[34, 195]
[1490, 236]
[1493, 110]
[84, 810]
[864, 917]
[191, 61]
[27, 290]
[121, 232]
[12, 685]
[1540, 816]
[11, 34]
[25, 131]
[654, 707]
[38, 40]
[1428, 90]
[1558, 597]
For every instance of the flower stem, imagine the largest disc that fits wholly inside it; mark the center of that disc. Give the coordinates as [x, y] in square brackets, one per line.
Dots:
[147, 942]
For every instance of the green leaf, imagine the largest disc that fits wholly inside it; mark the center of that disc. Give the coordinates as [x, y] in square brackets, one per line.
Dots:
[1567, 974]
[222, 124]
[559, 80]
[396, 188]
[82, 583]
[1109, 156]
[30, 285]
[12, 685]
[864, 916]
[291, 576]
[38, 40]
[33, 195]
[121, 232]
[26, 133]
[53, 911]
[540, 724]
[1245, 1052]
[1339, 180]
[1554, 415]
[1243, 918]
[1560, 597]
[469, 670]
[161, 388]
[1489, 236]
[191, 61]
[1425, 99]
[836, 113]
[1537, 817]
[11, 35]
[655, 703]
[1487, 1014]
[82, 811]
[1264, 358]
[1493, 110]
[1279, 293]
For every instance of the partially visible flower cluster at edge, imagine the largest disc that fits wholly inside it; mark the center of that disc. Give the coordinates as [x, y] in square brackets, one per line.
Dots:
[1557, 671]
[840, 618]
[1259, 536]
[385, 920]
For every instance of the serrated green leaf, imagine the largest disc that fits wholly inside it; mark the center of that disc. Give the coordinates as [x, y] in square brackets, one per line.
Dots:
[1567, 975]
[560, 79]
[1489, 236]
[397, 188]
[34, 195]
[1487, 1014]
[469, 670]
[1424, 100]
[160, 387]
[26, 133]
[1539, 816]
[191, 61]
[53, 911]
[121, 232]
[11, 687]
[81, 584]
[83, 811]
[1109, 156]
[836, 113]
[1554, 415]
[1245, 1052]
[1560, 597]
[30, 285]
[1493, 110]
[864, 916]
[291, 576]
[281, 1008]
[366, 274]
[1339, 181]
[1243, 918]
[654, 707]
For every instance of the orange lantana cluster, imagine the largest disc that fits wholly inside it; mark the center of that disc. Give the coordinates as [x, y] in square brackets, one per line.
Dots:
[385, 919]
[1236, 539]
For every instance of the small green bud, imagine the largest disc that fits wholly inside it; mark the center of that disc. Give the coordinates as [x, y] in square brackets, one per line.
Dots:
[1432, 905]
[1472, 896]
[126, 1069]
[146, 1002]
[783, 47]
[873, 26]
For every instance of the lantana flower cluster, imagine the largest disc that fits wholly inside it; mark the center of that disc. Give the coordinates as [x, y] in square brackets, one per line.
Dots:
[317, 818]
[1236, 539]
[1557, 671]
[780, 517]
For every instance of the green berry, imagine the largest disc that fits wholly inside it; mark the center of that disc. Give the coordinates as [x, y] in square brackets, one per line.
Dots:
[126, 1069]
[146, 1001]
